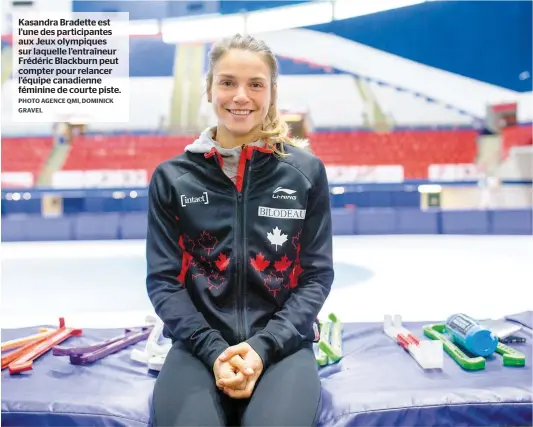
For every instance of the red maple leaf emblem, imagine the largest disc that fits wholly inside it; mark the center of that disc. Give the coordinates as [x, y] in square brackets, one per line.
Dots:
[283, 264]
[215, 280]
[186, 259]
[295, 274]
[198, 262]
[187, 243]
[199, 268]
[259, 262]
[296, 239]
[273, 283]
[222, 262]
[297, 269]
[207, 241]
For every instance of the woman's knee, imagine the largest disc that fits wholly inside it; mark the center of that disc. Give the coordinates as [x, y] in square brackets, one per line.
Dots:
[281, 387]
[185, 393]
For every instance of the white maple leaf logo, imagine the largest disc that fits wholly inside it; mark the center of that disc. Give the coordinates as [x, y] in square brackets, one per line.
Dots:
[277, 237]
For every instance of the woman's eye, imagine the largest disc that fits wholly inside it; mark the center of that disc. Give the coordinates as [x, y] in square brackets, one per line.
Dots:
[257, 85]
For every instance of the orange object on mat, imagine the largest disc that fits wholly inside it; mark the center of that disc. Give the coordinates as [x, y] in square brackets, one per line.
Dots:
[22, 359]
[19, 342]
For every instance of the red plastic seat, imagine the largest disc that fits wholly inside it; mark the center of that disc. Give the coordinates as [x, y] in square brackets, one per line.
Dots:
[26, 154]
[415, 150]
[123, 151]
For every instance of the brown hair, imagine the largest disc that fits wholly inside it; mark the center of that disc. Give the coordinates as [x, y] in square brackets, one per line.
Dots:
[275, 129]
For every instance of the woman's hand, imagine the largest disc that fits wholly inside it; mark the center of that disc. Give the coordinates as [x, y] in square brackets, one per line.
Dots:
[244, 358]
[231, 374]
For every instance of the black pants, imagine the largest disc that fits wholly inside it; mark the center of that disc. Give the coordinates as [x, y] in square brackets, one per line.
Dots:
[287, 394]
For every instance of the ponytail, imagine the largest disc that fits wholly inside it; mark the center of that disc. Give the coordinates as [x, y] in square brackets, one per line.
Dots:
[276, 132]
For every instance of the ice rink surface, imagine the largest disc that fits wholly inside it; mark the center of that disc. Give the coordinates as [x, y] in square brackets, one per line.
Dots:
[102, 284]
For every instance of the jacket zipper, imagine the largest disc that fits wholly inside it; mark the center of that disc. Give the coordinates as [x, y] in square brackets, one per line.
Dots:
[244, 256]
[241, 246]
[239, 242]
[241, 226]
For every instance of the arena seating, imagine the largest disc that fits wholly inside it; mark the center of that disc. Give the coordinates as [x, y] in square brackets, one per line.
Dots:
[25, 154]
[123, 151]
[415, 150]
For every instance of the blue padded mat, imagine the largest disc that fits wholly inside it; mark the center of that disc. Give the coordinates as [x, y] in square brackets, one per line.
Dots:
[376, 384]
[525, 319]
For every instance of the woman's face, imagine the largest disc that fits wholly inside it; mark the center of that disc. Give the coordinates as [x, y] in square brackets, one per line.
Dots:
[241, 91]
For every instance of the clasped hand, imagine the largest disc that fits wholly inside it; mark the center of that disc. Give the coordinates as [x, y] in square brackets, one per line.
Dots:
[237, 370]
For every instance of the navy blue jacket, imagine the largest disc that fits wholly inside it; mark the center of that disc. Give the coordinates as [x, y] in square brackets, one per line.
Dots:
[250, 261]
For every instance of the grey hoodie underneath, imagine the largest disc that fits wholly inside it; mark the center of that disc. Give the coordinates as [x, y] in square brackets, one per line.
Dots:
[230, 156]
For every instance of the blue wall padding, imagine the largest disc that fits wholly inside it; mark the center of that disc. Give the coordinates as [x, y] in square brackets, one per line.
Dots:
[342, 221]
[96, 226]
[13, 228]
[46, 229]
[415, 221]
[375, 221]
[465, 222]
[35, 228]
[133, 225]
[518, 221]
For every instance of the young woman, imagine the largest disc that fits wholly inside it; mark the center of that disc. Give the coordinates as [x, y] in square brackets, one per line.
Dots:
[239, 257]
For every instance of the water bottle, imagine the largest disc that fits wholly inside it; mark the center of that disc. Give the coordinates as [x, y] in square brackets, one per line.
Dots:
[471, 335]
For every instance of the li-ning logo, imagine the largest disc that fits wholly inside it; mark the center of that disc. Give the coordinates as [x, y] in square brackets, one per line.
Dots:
[288, 193]
[188, 200]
